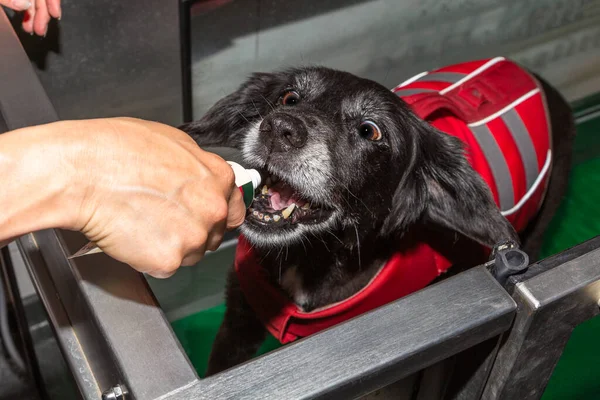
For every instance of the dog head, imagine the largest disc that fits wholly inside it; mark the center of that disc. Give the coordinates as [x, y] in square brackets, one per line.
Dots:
[338, 151]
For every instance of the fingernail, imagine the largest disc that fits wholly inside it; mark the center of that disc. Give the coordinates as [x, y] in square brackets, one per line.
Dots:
[21, 5]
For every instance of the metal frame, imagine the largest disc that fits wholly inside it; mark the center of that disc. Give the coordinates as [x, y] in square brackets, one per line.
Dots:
[553, 297]
[7, 276]
[375, 349]
[113, 333]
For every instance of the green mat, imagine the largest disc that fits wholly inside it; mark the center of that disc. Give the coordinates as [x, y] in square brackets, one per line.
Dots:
[205, 325]
[578, 219]
[577, 376]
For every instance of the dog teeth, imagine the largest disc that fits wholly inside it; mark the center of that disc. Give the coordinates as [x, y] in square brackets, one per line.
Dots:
[260, 215]
[306, 206]
[288, 211]
[267, 218]
[265, 189]
[276, 217]
[255, 213]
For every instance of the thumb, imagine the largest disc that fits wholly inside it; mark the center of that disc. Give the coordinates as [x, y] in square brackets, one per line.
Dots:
[237, 210]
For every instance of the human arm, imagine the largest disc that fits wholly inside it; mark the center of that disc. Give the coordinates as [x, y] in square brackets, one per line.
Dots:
[142, 191]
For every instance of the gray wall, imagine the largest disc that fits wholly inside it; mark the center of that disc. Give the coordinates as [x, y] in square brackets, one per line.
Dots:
[391, 40]
[109, 58]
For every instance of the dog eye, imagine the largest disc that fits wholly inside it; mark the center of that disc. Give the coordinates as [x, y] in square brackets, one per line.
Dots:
[370, 130]
[290, 98]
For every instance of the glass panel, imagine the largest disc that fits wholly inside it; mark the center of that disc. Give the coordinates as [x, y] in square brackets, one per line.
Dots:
[389, 40]
[578, 218]
[576, 376]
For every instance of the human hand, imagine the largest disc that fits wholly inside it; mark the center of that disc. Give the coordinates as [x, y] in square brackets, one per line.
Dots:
[37, 13]
[150, 197]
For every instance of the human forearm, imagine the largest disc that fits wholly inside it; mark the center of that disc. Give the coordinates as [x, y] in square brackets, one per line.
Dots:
[36, 182]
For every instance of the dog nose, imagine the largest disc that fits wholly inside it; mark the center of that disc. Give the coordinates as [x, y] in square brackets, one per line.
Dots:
[287, 131]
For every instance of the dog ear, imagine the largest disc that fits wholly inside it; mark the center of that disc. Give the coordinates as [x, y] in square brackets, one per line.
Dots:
[227, 122]
[441, 187]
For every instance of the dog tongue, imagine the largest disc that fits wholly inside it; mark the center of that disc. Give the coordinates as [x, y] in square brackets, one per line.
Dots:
[283, 195]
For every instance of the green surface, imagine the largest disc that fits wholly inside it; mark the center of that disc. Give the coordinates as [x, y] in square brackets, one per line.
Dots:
[576, 376]
[578, 218]
[197, 333]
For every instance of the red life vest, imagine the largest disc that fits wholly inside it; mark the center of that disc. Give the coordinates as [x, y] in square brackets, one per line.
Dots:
[497, 109]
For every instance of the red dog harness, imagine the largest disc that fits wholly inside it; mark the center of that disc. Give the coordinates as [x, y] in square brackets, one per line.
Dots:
[497, 109]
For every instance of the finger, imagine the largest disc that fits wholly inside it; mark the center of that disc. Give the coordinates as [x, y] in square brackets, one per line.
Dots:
[215, 237]
[28, 17]
[54, 8]
[237, 210]
[193, 259]
[195, 254]
[40, 23]
[161, 274]
[17, 5]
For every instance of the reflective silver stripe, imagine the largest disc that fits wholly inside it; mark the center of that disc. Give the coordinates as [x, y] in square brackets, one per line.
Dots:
[497, 163]
[409, 92]
[450, 77]
[521, 135]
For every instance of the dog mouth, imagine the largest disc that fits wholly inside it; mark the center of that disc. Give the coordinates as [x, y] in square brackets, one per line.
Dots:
[277, 204]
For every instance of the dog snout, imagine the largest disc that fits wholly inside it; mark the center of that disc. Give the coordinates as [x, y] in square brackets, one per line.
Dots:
[288, 132]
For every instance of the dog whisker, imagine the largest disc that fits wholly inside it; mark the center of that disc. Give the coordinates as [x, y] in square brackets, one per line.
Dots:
[243, 116]
[358, 247]
[268, 102]
[303, 245]
[256, 108]
[333, 234]
[321, 240]
[352, 194]
[280, 267]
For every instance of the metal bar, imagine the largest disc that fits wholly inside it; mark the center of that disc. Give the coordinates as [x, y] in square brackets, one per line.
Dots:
[66, 336]
[375, 349]
[7, 272]
[126, 314]
[108, 324]
[554, 297]
[185, 38]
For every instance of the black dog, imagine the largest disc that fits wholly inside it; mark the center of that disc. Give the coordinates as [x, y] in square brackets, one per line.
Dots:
[353, 176]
